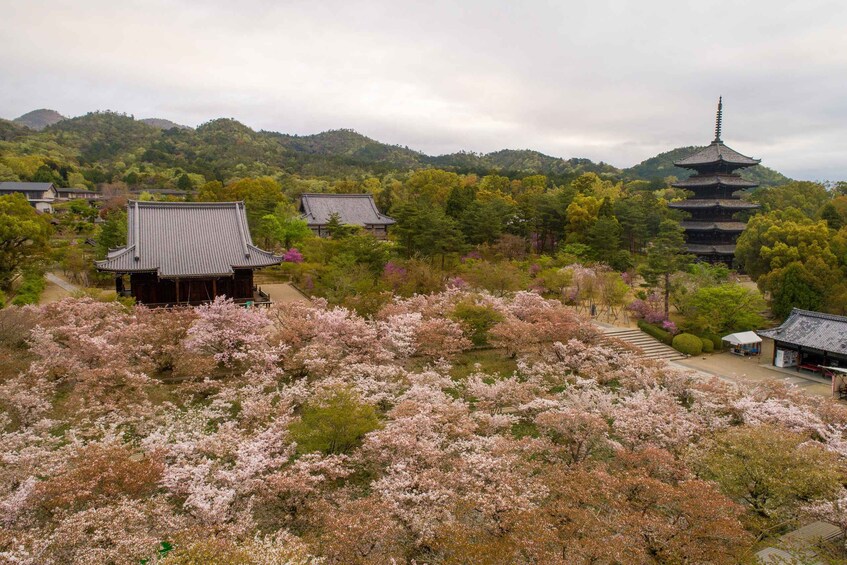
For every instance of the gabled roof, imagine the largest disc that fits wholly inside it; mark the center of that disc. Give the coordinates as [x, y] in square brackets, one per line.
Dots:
[352, 209]
[742, 338]
[187, 239]
[8, 186]
[716, 153]
[826, 332]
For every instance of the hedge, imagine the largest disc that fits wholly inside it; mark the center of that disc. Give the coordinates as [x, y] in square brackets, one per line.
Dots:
[717, 341]
[655, 331]
[689, 344]
[708, 346]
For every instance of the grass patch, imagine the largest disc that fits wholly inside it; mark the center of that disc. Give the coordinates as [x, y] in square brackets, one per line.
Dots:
[491, 361]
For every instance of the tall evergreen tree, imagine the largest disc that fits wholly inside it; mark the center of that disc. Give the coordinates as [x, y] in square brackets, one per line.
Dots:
[665, 256]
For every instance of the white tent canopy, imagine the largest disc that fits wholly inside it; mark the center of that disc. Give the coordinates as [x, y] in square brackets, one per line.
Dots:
[742, 338]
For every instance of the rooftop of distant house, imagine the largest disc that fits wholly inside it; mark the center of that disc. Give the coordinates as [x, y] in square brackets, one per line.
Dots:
[352, 209]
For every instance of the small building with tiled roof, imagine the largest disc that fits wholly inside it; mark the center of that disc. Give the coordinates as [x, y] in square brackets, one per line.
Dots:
[351, 210]
[187, 253]
[72, 193]
[40, 195]
[712, 228]
[809, 341]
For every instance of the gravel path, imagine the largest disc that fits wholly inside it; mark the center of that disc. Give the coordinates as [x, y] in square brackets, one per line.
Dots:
[60, 282]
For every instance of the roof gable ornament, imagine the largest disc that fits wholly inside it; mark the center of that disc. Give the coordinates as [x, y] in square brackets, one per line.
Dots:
[718, 121]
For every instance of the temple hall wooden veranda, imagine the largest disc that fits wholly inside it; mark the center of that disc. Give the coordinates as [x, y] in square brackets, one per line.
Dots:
[187, 253]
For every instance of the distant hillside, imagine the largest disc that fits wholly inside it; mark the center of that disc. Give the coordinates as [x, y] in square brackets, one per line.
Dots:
[39, 119]
[11, 130]
[661, 166]
[521, 162]
[103, 146]
[161, 123]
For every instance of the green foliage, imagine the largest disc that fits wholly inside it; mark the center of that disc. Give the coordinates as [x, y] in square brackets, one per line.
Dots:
[794, 287]
[796, 259]
[2, 299]
[655, 331]
[426, 231]
[24, 236]
[30, 289]
[476, 320]
[773, 472]
[687, 343]
[665, 256]
[335, 424]
[715, 339]
[708, 345]
[723, 309]
[807, 197]
[498, 278]
[112, 232]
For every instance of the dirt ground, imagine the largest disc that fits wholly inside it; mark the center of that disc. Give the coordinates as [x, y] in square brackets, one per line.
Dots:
[283, 293]
[756, 369]
[53, 293]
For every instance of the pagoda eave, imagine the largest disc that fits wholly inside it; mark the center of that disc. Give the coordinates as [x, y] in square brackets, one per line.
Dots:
[736, 227]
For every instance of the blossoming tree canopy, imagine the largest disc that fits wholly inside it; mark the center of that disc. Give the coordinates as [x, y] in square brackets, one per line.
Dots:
[304, 432]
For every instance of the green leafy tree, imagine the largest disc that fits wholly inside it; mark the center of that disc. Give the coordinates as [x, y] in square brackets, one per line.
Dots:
[724, 309]
[477, 320]
[665, 256]
[426, 231]
[794, 287]
[832, 217]
[335, 424]
[24, 236]
[112, 232]
[807, 197]
[772, 471]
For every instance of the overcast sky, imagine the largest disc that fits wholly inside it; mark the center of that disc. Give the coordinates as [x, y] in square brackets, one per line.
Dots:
[618, 81]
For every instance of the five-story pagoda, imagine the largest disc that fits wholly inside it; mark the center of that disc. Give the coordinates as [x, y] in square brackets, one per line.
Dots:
[711, 231]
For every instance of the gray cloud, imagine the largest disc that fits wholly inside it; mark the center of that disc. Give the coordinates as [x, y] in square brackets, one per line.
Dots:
[617, 81]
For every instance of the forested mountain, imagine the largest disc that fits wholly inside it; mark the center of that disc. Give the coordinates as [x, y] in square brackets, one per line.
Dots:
[108, 146]
[661, 166]
[161, 123]
[39, 119]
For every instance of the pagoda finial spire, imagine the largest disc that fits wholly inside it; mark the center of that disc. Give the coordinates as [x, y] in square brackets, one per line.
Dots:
[718, 120]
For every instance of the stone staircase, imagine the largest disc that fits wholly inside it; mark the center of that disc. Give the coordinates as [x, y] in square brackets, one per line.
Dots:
[649, 347]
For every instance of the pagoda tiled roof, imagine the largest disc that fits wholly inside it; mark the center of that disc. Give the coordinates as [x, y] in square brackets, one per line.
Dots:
[716, 153]
[728, 249]
[702, 181]
[713, 226]
[187, 239]
[700, 203]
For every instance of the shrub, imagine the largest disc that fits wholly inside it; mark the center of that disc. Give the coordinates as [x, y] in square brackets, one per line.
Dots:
[688, 343]
[334, 425]
[476, 320]
[658, 333]
[717, 341]
[708, 345]
[30, 290]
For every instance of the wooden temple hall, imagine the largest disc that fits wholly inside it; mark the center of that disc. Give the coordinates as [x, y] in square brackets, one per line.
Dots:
[712, 227]
[187, 253]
